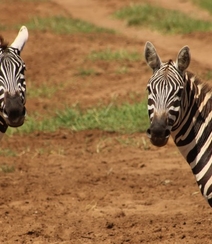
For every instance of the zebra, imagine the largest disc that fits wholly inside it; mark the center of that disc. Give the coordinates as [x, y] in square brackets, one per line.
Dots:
[180, 105]
[12, 82]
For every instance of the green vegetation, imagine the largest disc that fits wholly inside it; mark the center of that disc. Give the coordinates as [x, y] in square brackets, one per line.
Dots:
[44, 90]
[122, 70]
[205, 4]
[7, 168]
[2, 27]
[109, 55]
[164, 20]
[7, 153]
[126, 118]
[206, 76]
[64, 25]
[86, 72]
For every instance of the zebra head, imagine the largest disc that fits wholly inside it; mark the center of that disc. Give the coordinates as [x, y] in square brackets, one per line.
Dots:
[165, 88]
[12, 80]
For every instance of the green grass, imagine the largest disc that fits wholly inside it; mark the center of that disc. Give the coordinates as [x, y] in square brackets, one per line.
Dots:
[3, 27]
[86, 72]
[64, 25]
[122, 70]
[126, 118]
[206, 76]
[205, 4]
[118, 55]
[44, 90]
[7, 153]
[160, 19]
[7, 168]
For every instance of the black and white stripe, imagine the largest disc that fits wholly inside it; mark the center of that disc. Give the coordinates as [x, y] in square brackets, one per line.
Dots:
[12, 76]
[180, 105]
[12, 82]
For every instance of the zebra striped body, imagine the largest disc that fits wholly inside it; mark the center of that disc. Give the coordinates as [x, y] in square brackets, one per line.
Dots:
[180, 105]
[12, 82]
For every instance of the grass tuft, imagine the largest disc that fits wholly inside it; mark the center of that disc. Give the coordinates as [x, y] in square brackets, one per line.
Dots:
[205, 4]
[86, 72]
[164, 20]
[64, 25]
[44, 90]
[7, 153]
[7, 168]
[126, 118]
[119, 55]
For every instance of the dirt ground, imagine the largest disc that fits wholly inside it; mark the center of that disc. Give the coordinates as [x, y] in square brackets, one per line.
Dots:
[94, 186]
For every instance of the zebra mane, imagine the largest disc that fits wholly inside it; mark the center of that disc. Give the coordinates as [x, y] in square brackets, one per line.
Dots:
[197, 81]
[205, 88]
[3, 44]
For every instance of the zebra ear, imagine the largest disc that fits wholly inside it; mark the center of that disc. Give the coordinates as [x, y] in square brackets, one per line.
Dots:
[183, 59]
[151, 56]
[21, 39]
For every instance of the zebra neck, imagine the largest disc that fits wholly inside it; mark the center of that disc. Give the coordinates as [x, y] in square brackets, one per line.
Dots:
[195, 115]
[193, 132]
[193, 135]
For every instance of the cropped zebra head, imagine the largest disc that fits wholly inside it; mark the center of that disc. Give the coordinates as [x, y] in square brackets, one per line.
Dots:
[12, 80]
[165, 89]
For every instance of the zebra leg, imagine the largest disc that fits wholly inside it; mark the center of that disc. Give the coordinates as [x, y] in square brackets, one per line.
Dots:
[3, 127]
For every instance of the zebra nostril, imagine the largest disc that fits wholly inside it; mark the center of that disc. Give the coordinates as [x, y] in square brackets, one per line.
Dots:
[167, 133]
[5, 114]
[148, 132]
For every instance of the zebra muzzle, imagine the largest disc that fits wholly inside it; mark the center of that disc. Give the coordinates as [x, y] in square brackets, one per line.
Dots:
[158, 132]
[14, 111]
[158, 140]
[15, 118]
